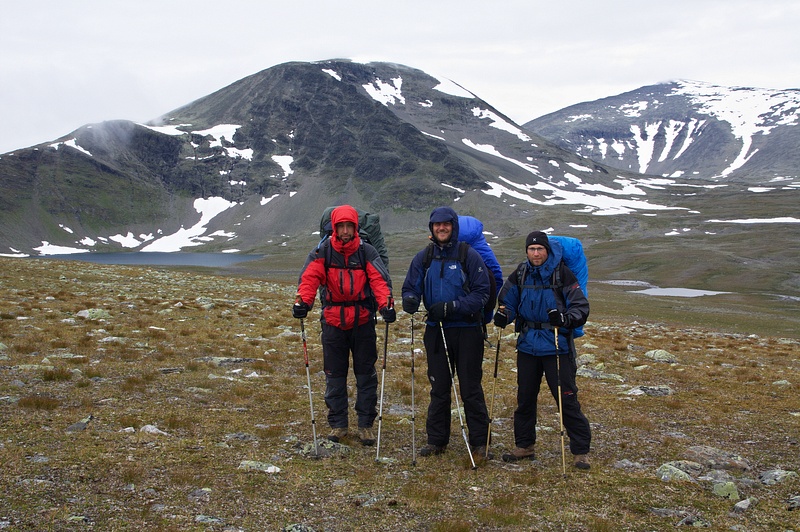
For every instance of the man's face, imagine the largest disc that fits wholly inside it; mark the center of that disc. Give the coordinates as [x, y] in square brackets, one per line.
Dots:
[537, 254]
[345, 231]
[442, 231]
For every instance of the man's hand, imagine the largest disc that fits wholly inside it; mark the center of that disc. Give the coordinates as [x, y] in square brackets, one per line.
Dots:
[440, 311]
[410, 304]
[389, 315]
[501, 318]
[556, 318]
[300, 310]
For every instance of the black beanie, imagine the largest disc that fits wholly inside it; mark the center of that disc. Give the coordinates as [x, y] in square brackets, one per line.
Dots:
[537, 237]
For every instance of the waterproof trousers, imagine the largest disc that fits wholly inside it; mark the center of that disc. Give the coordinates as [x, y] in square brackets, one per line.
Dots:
[337, 345]
[465, 346]
[530, 369]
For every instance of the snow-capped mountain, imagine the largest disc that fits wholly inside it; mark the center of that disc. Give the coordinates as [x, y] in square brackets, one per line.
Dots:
[262, 157]
[251, 167]
[689, 129]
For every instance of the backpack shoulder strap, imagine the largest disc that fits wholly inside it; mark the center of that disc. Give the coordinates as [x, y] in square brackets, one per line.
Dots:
[463, 248]
[426, 262]
[362, 257]
[555, 280]
[521, 275]
[326, 250]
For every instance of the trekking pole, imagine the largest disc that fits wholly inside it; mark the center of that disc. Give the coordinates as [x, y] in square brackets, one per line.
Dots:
[455, 393]
[383, 382]
[494, 387]
[560, 408]
[308, 377]
[413, 421]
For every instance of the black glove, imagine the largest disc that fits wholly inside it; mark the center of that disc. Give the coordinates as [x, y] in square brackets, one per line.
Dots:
[501, 318]
[300, 310]
[410, 304]
[556, 318]
[389, 314]
[440, 311]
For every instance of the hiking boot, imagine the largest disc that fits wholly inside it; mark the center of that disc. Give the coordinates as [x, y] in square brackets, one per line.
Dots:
[582, 462]
[519, 453]
[366, 435]
[479, 453]
[337, 434]
[430, 449]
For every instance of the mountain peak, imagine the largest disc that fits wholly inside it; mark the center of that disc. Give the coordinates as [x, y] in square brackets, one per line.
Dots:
[684, 127]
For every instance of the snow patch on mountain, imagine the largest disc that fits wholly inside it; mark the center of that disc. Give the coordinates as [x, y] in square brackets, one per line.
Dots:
[452, 88]
[71, 143]
[208, 209]
[386, 93]
[499, 123]
[218, 134]
[598, 205]
[285, 162]
[779, 220]
[491, 150]
[749, 111]
[332, 73]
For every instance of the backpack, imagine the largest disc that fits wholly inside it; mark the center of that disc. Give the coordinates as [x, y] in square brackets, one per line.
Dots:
[369, 230]
[463, 248]
[574, 258]
[470, 230]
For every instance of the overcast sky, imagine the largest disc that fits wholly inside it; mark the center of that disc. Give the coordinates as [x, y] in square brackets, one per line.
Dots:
[69, 63]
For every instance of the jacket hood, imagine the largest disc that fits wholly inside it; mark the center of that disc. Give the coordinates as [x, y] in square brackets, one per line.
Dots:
[444, 214]
[554, 257]
[344, 213]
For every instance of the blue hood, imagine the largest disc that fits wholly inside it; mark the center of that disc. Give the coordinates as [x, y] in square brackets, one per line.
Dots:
[553, 258]
[445, 214]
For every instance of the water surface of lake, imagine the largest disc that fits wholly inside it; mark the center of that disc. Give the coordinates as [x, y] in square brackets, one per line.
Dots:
[157, 258]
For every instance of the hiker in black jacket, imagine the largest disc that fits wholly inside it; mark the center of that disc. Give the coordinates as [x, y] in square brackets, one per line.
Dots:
[543, 295]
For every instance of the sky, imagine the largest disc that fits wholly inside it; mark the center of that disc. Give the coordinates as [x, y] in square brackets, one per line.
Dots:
[65, 64]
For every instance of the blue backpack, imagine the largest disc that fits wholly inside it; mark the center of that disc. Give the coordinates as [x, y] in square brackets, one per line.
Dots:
[470, 230]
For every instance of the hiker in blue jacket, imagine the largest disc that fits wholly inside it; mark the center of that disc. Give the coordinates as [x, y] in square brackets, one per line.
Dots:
[543, 294]
[454, 296]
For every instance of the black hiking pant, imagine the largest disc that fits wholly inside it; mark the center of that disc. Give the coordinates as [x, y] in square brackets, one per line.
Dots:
[530, 369]
[337, 344]
[465, 345]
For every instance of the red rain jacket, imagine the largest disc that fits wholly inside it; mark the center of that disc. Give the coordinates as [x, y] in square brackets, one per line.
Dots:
[351, 278]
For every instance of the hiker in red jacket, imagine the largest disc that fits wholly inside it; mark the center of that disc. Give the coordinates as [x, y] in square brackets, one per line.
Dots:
[353, 284]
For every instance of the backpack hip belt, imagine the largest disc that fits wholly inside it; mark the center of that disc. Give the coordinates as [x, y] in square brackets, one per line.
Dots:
[524, 326]
[528, 325]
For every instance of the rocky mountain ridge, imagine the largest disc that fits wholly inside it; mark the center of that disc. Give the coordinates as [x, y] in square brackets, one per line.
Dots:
[687, 128]
[249, 169]
[293, 139]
